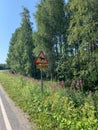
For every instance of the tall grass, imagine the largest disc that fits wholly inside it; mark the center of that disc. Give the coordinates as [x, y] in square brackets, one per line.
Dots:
[58, 108]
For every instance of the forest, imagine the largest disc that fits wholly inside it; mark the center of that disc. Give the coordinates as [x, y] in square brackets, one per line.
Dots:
[67, 32]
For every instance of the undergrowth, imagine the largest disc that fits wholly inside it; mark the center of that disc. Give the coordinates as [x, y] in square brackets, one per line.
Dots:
[57, 108]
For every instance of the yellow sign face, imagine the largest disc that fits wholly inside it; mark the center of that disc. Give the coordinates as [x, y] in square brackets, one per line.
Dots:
[41, 59]
[41, 66]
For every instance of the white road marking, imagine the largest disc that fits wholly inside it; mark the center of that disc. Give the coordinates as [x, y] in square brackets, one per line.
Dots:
[7, 123]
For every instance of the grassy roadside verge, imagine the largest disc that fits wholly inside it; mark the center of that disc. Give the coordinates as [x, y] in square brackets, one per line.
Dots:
[56, 109]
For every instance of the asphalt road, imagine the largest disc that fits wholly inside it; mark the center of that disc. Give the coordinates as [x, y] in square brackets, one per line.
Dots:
[11, 116]
[2, 124]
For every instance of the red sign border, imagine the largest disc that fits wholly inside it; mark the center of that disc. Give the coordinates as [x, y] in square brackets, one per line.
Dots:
[41, 52]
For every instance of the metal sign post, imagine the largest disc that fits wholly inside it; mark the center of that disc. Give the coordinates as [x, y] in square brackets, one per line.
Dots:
[41, 63]
[41, 80]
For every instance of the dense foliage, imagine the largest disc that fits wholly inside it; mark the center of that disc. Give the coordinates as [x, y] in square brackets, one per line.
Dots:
[58, 109]
[67, 33]
[50, 18]
[20, 57]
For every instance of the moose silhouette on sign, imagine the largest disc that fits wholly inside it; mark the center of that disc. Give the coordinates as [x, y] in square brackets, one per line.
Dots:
[42, 58]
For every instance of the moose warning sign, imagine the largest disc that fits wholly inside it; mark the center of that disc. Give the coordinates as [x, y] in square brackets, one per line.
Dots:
[41, 63]
[41, 59]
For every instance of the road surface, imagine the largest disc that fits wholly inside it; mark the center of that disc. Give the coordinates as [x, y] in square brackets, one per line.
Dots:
[11, 116]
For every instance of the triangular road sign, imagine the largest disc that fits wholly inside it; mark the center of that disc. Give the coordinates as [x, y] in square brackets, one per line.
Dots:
[41, 59]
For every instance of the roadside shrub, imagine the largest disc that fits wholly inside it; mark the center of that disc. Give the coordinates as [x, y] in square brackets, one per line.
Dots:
[55, 109]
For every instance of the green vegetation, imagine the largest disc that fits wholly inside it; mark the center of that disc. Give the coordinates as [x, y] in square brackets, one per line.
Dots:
[68, 34]
[20, 54]
[58, 108]
[4, 67]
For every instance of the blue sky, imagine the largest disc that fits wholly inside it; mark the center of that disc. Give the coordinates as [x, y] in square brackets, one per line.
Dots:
[10, 19]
